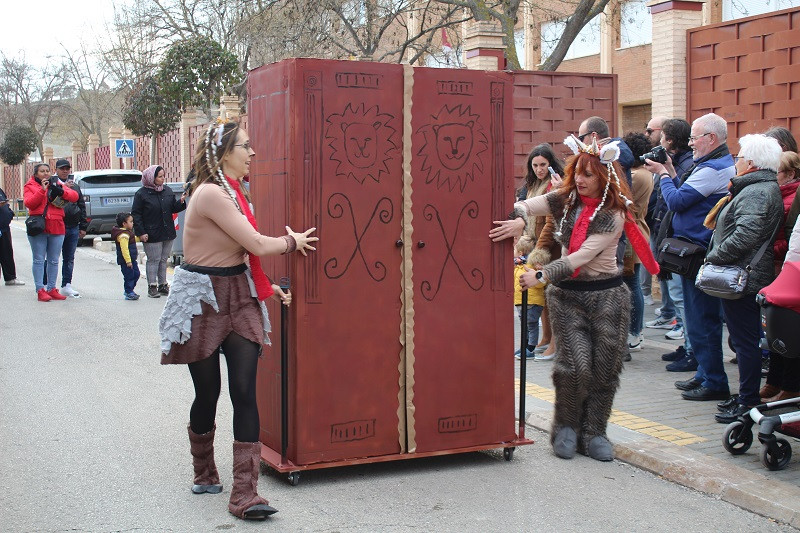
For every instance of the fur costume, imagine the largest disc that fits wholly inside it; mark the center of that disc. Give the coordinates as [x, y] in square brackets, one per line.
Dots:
[592, 329]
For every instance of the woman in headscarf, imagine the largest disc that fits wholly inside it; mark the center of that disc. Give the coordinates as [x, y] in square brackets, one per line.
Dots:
[153, 206]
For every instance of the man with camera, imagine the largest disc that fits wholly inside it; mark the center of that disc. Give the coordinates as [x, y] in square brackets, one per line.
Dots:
[75, 226]
[706, 184]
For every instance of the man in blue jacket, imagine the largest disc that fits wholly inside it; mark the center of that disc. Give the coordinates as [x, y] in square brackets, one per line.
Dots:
[708, 180]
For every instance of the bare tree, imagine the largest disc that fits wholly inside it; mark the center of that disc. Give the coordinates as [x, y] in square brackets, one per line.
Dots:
[32, 95]
[94, 104]
[506, 13]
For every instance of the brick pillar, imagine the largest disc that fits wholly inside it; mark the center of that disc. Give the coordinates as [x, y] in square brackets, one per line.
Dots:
[188, 120]
[607, 37]
[483, 46]
[114, 134]
[229, 107]
[533, 38]
[47, 156]
[76, 149]
[413, 29]
[128, 161]
[92, 144]
[3, 178]
[671, 19]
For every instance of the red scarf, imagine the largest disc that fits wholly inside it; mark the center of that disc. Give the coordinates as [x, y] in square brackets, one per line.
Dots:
[581, 227]
[638, 242]
[263, 286]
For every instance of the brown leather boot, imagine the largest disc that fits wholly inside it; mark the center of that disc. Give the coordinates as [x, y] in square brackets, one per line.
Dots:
[768, 391]
[245, 501]
[206, 477]
[782, 395]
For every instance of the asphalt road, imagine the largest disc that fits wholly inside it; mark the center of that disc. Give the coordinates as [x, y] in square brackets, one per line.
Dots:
[93, 438]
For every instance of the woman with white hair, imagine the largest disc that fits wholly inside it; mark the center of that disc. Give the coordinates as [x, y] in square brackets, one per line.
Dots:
[742, 221]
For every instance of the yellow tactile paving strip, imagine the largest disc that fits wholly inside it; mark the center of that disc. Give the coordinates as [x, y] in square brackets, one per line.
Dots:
[623, 419]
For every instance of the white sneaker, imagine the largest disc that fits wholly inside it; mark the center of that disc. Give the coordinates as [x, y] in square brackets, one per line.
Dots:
[657, 311]
[540, 357]
[648, 300]
[67, 290]
[675, 333]
[634, 342]
[662, 323]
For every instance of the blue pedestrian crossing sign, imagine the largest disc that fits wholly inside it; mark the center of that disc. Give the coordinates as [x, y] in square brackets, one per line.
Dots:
[124, 148]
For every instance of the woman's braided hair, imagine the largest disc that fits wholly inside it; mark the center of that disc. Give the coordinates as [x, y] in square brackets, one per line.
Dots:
[220, 138]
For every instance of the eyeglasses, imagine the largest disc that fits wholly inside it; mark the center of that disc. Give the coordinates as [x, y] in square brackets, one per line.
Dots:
[580, 137]
[650, 131]
[693, 138]
[246, 145]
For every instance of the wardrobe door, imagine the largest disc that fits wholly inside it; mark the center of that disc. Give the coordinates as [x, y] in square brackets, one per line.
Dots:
[460, 374]
[347, 135]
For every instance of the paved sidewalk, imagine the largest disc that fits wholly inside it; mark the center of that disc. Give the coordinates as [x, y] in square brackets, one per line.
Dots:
[655, 429]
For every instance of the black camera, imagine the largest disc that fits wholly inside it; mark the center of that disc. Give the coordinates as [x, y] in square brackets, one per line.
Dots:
[657, 154]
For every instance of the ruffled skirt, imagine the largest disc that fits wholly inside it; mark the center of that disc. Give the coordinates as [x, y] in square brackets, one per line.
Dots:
[202, 310]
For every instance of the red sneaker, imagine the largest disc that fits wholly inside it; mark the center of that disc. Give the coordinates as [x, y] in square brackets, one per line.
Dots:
[55, 295]
[43, 296]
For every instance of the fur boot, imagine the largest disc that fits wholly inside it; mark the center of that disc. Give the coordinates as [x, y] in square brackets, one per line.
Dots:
[245, 501]
[206, 477]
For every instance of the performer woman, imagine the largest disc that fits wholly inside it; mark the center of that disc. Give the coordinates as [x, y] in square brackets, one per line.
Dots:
[589, 303]
[218, 300]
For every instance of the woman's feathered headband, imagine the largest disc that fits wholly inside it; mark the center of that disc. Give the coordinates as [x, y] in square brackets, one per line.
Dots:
[607, 154]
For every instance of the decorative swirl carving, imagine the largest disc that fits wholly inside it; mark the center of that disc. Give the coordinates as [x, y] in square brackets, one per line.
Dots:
[338, 206]
[475, 277]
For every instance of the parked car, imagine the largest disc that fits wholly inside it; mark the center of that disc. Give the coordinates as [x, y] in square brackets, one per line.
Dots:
[108, 192]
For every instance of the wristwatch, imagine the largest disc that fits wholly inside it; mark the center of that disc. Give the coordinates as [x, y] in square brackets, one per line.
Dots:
[539, 275]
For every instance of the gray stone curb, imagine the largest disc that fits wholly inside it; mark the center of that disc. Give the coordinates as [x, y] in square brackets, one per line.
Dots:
[749, 490]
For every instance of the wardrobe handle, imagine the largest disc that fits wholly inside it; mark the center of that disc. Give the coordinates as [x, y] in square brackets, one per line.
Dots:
[421, 244]
[399, 243]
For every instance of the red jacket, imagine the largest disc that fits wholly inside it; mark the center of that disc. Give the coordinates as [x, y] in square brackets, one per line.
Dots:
[35, 199]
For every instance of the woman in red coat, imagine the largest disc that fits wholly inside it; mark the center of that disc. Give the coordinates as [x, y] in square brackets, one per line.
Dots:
[43, 191]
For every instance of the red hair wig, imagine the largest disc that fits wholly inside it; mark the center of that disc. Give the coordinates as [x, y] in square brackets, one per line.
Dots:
[582, 162]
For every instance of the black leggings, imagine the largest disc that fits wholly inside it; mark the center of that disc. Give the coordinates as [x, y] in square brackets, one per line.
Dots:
[241, 356]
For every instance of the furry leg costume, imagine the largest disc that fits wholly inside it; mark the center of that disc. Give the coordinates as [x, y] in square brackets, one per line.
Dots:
[591, 328]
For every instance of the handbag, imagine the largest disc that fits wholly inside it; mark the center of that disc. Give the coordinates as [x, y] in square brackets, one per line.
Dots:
[680, 256]
[34, 224]
[728, 281]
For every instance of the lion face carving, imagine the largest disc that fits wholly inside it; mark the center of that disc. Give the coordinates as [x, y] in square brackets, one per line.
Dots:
[362, 142]
[451, 147]
[453, 144]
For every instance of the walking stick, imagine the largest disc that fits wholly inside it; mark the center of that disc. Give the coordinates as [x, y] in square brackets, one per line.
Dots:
[284, 285]
[523, 360]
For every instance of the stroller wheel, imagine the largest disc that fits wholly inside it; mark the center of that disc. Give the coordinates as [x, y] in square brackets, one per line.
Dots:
[738, 438]
[776, 455]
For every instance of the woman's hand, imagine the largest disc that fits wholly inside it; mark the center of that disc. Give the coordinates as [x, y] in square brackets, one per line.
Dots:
[303, 239]
[506, 228]
[284, 297]
[555, 181]
[528, 279]
[45, 184]
[143, 238]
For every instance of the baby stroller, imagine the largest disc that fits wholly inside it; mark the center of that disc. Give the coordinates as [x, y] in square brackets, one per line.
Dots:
[780, 318]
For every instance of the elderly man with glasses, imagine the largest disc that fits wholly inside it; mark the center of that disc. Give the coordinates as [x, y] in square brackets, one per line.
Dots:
[707, 183]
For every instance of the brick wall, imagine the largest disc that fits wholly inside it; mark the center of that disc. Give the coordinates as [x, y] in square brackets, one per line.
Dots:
[632, 65]
[635, 118]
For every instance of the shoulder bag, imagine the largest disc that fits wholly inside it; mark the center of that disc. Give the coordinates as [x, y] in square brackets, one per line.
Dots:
[728, 281]
[34, 224]
[680, 256]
